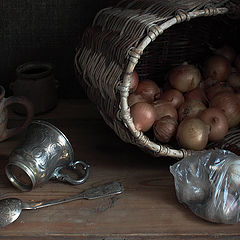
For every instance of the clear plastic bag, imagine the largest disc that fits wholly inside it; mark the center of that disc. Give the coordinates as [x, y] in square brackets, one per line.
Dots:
[208, 183]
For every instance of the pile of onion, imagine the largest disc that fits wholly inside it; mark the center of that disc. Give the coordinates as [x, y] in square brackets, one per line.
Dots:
[194, 106]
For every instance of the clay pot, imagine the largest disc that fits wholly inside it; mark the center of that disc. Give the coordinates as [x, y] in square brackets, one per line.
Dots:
[36, 81]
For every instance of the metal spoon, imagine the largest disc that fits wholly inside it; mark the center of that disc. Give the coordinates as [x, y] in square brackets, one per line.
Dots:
[11, 208]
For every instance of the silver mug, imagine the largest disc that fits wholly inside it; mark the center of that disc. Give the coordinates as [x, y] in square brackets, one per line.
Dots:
[44, 152]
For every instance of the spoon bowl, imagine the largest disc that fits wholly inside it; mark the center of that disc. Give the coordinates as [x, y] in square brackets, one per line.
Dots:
[10, 209]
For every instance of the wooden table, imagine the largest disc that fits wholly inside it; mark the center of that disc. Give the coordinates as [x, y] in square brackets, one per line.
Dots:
[148, 208]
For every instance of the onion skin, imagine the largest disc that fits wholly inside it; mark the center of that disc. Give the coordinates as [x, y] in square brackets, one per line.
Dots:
[173, 96]
[234, 80]
[227, 51]
[133, 98]
[134, 80]
[217, 121]
[229, 104]
[217, 67]
[165, 128]
[218, 88]
[196, 94]
[164, 108]
[192, 133]
[190, 108]
[148, 89]
[144, 115]
[184, 77]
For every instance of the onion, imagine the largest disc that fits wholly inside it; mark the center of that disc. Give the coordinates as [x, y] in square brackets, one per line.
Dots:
[237, 62]
[217, 121]
[227, 51]
[234, 173]
[234, 80]
[218, 88]
[174, 96]
[143, 115]
[192, 133]
[196, 94]
[217, 67]
[133, 98]
[148, 89]
[164, 108]
[227, 207]
[184, 77]
[229, 104]
[190, 108]
[165, 128]
[134, 80]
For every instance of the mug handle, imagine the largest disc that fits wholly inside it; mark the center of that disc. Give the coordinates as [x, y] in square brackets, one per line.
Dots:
[65, 178]
[29, 110]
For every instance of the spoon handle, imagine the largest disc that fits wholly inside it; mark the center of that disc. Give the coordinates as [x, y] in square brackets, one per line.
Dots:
[103, 190]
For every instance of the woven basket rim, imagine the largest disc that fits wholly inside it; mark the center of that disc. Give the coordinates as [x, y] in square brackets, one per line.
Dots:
[134, 56]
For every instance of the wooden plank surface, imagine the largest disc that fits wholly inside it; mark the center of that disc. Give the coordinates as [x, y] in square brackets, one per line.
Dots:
[148, 208]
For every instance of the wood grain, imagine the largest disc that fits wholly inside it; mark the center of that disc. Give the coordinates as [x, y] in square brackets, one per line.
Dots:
[148, 208]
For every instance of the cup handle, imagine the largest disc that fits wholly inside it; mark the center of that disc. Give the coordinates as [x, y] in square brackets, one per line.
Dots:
[29, 110]
[73, 165]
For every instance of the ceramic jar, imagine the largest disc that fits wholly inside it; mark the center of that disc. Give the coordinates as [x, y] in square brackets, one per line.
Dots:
[36, 81]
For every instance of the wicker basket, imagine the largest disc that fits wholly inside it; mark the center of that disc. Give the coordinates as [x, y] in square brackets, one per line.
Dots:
[146, 35]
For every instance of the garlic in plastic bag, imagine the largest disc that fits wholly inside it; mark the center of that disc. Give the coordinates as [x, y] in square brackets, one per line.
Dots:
[208, 183]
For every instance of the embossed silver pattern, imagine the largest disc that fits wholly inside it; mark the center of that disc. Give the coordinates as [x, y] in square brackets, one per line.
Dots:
[42, 154]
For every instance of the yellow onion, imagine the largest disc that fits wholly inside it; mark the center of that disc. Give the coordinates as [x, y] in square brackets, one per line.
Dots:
[217, 67]
[148, 89]
[144, 115]
[190, 108]
[192, 133]
[133, 98]
[229, 104]
[217, 121]
[174, 96]
[165, 128]
[184, 77]
[164, 108]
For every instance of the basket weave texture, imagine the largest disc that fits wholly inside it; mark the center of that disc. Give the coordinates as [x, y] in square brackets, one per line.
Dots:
[145, 35]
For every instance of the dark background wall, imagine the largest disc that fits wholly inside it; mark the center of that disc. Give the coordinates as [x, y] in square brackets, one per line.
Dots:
[45, 30]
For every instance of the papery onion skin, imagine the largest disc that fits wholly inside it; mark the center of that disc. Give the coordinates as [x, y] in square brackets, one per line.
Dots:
[217, 67]
[174, 96]
[217, 121]
[229, 104]
[218, 88]
[190, 108]
[133, 98]
[234, 80]
[192, 133]
[196, 94]
[134, 80]
[227, 51]
[148, 89]
[164, 108]
[184, 77]
[144, 115]
[165, 128]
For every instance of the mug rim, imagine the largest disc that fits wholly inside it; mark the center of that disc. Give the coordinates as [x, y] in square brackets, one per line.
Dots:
[21, 69]
[15, 181]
